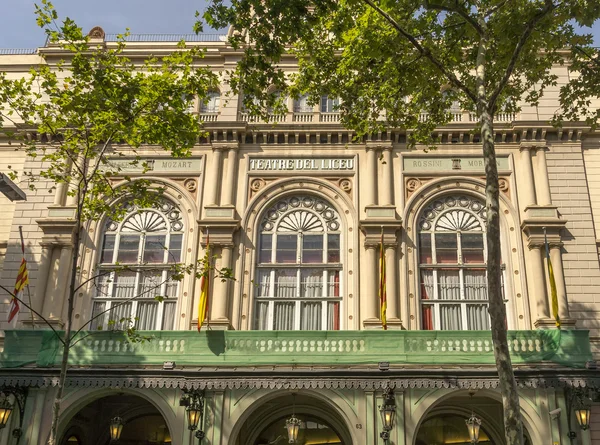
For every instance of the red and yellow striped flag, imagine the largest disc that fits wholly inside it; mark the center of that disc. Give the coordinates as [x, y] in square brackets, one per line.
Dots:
[22, 281]
[203, 301]
[382, 289]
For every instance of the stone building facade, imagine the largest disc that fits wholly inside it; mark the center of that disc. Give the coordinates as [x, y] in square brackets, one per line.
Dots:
[297, 208]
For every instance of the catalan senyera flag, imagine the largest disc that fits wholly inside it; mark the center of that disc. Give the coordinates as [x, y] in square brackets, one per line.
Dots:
[203, 301]
[22, 281]
[553, 292]
[382, 289]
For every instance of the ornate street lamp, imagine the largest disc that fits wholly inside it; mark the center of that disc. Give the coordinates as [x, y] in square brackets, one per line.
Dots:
[583, 417]
[115, 428]
[473, 425]
[293, 428]
[193, 400]
[388, 414]
[6, 408]
[578, 402]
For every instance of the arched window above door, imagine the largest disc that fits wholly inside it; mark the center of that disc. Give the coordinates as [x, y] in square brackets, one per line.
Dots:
[452, 255]
[298, 270]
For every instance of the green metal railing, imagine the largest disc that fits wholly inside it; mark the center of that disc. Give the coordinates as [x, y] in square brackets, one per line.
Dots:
[257, 348]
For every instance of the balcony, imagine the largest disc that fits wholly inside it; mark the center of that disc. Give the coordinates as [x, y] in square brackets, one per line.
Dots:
[319, 348]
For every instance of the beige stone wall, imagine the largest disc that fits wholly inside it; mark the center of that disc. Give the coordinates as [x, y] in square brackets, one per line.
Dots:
[569, 187]
[595, 425]
[10, 159]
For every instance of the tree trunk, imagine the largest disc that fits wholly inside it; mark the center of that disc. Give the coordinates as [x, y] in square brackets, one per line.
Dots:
[513, 427]
[52, 440]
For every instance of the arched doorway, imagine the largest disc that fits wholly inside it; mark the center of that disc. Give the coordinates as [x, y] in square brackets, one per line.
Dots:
[319, 423]
[142, 423]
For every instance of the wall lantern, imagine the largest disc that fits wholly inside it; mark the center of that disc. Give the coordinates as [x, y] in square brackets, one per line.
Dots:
[12, 397]
[388, 414]
[193, 400]
[578, 402]
[473, 423]
[115, 428]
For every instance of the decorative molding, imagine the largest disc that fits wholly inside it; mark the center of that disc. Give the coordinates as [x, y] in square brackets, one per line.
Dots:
[453, 212]
[147, 220]
[301, 213]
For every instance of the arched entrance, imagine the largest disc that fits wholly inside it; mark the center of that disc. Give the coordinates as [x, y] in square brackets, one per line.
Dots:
[446, 422]
[142, 423]
[319, 423]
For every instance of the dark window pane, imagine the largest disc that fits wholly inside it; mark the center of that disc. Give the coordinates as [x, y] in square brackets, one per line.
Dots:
[175, 248]
[108, 247]
[154, 249]
[472, 248]
[266, 246]
[312, 249]
[446, 248]
[333, 248]
[129, 246]
[425, 255]
[287, 248]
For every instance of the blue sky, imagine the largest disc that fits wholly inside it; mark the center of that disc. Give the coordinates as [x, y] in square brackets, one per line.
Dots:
[18, 28]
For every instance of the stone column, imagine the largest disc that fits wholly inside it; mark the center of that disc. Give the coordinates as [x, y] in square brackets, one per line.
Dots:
[370, 301]
[53, 303]
[391, 283]
[542, 183]
[212, 188]
[371, 180]
[559, 278]
[42, 278]
[536, 282]
[220, 293]
[527, 195]
[387, 183]
[227, 197]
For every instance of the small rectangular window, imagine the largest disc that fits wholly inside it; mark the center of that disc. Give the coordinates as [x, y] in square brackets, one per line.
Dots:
[154, 249]
[472, 248]
[425, 253]
[333, 248]
[446, 248]
[129, 247]
[175, 246]
[266, 246]
[108, 248]
[287, 248]
[312, 249]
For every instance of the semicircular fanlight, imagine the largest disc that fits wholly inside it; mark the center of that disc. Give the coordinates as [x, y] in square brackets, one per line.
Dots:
[144, 221]
[301, 221]
[458, 220]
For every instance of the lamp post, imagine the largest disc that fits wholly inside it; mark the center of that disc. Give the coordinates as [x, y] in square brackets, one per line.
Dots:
[115, 428]
[473, 423]
[293, 428]
[388, 414]
[193, 400]
[578, 403]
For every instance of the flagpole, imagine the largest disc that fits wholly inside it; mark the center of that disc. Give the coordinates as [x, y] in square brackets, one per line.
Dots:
[28, 289]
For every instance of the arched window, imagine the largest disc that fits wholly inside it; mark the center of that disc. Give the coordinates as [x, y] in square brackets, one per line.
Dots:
[452, 264]
[329, 104]
[299, 266]
[301, 105]
[147, 241]
[211, 102]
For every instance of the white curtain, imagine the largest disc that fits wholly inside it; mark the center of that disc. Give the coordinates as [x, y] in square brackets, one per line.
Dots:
[285, 285]
[475, 285]
[99, 306]
[264, 282]
[333, 315]
[477, 317]
[124, 286]
[450, 319]
[312, 284]
[151, 285]
[428, 283]
[262, 315]
[146, 314]
[169, 315]
[117, 313]
[448, 285]
[284, 316]
[310, 317]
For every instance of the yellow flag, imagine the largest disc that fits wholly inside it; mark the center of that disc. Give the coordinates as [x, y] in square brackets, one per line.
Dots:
[382, 289]
[203, 301]
[553, 292]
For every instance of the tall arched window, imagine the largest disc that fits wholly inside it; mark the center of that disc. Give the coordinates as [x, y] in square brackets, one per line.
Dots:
[147, 241]
[452, 263]
[301, 105]
[329, 104]
[299, 266]
[211, 102]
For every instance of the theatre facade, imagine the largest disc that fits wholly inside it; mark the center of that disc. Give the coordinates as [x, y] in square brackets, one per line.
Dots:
[301, 211]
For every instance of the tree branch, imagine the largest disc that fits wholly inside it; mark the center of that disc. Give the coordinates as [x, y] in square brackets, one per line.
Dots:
[425, 52]
[464, 14]
[550, 6]
[34, 311]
